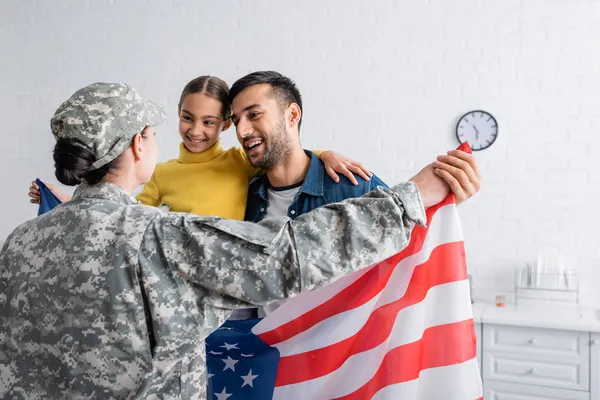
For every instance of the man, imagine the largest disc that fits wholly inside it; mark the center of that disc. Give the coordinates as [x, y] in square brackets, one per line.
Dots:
[267, 113]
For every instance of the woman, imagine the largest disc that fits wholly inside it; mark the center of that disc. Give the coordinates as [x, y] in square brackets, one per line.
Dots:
[105, 298]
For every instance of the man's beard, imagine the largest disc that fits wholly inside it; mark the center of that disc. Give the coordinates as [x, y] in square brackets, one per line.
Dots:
[277, 149]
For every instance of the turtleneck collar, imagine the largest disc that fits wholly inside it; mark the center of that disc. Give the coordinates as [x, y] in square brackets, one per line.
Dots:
[187, 157]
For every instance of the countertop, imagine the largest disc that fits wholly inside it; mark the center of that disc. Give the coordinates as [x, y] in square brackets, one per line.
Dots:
[544, 315]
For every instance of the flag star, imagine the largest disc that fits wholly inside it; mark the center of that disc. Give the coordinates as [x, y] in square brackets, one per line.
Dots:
[209, 375]
[230, 346]
[249, 378]
[229, 363]
[215, 353]
[227, 329]
[246, 355]
[223, 395]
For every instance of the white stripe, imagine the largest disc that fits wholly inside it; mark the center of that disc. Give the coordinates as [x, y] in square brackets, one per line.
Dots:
[344, 325]
[453, 382]
[443, 304]
[288, 310]
[444, 227]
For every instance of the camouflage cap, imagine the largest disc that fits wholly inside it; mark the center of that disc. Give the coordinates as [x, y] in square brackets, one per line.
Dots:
[105, 117]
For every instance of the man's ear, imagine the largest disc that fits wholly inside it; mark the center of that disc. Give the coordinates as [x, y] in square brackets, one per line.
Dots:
[226, 124]
[294, 114]
[137, 147]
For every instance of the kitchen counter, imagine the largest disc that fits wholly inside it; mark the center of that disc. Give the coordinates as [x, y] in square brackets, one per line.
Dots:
[544, 315]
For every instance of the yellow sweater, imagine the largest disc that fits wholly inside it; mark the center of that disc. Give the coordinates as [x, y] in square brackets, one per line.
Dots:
[211, 183]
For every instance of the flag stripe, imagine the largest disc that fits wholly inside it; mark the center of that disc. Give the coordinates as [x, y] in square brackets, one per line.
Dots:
[437, 348]
[346, 324]
[368, 285]
[444, 304]
[437, 383]
[379, 325]
[293, 310]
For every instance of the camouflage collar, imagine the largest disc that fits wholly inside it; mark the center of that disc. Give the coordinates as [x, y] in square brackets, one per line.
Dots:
[104, 190]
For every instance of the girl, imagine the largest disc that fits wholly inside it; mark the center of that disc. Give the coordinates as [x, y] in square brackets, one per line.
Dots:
[206, 179]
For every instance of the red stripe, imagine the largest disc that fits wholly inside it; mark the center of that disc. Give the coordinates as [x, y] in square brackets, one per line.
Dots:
[446, 264]
[440, 346]
[359, 292]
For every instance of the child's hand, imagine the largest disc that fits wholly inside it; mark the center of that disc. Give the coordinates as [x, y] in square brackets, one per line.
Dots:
[335, 162]
[34, 193]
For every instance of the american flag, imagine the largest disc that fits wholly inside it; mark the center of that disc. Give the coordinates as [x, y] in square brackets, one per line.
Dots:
[400, 329]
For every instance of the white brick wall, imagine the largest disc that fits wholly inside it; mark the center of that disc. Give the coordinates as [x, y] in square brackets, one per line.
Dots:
[383, 81]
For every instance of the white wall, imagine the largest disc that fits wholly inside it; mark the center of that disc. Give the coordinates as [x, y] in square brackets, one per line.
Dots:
[383, 82]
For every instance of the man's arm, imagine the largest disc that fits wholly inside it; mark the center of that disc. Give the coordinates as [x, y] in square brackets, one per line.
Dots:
[276, 259]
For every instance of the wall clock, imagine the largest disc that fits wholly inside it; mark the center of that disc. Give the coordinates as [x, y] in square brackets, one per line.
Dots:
[479, 128]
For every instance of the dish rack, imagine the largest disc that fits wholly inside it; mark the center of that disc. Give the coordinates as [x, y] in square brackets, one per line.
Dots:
[551, 286]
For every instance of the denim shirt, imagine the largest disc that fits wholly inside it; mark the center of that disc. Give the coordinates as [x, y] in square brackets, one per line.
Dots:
[318, 189]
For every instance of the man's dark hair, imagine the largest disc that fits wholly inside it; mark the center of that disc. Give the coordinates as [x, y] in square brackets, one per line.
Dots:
[283, 88]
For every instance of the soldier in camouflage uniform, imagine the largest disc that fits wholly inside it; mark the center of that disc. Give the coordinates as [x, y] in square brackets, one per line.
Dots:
[103, 298]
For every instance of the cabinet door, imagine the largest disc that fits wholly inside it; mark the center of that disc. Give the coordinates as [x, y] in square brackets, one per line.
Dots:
[595, 366]
[514, 391]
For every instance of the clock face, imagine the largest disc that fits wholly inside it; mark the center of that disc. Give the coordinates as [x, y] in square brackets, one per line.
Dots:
[478, 128]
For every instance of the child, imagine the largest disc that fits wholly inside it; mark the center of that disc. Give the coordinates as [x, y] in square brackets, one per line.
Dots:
[206, 179]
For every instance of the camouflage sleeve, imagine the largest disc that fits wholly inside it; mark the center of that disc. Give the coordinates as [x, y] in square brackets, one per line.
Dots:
[4, 244]
[238, 262]
[338, 238]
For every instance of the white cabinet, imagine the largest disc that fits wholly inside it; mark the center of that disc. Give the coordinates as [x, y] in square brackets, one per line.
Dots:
[522, 363]
[542, 357]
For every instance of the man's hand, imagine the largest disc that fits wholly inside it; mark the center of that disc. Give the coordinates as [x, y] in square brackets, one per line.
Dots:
[459, 170]
[335, 162]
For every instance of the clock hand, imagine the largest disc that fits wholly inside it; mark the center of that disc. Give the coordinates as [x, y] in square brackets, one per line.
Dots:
[476, 132]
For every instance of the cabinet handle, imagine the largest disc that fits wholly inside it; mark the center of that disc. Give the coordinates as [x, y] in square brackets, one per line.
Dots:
[532, 371]
[532, 341]
[595, 341]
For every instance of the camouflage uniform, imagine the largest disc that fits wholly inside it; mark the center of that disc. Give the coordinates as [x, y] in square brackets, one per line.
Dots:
[103, 298]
